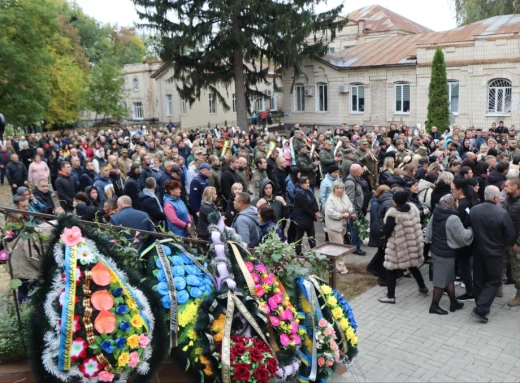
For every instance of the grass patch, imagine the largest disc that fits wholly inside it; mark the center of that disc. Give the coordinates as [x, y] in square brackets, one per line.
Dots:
[356, 282]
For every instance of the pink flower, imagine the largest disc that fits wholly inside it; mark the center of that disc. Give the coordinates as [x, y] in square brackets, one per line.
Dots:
[284, 340]
[259, 291]
[274, 321]
[143, 341]
[261, 269]
[250, 267]
[330, 363]
[267, 309]
[329, 331]
[294, 327]
[283, 315]
[323, 322]
[321, 361]
[297, 340]
[336, 356]
[9, 234]
[278, 297]
[272, 303]
[256, 278]
[137, 233]
[136, 240]
[72, 236]
[333, 345]
[265, 279]
[105, 376]
[113, 240]
[4, 255]
[134, 359]
[289, 314]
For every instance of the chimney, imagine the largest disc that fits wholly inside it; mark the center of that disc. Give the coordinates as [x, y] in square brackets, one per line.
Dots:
[361, 27]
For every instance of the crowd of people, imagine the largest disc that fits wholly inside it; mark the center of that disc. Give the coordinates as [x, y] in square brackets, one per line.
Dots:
[460, 186]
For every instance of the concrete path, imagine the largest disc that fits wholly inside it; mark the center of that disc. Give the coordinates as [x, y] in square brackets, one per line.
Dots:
[404, 343]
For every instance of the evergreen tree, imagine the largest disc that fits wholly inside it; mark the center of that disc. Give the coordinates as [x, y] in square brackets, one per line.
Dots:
[208, 41]
[438, 103]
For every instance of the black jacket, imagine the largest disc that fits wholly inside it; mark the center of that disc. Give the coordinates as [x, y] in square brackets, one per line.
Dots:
[305, 208]
[440, 245]
[86, 179]
[145, 173]
[16, 173]
[132, 189]
[66, 189]
[493, 230]
[395, 181]
[439, 191]
[512, 206]
[149, 205]
[377, 224]
[46, 199]
[278, 178]
[87, 213]
[229, 177]
[497, 179]
[206, 208]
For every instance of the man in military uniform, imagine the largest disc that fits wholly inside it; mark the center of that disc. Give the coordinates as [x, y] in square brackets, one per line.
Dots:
[306, 166]
[416, 143]
[260, 151]
[327, 156]
[513, 149]
[401, 153]
[348, 161]
[367, 158]
[298, 141]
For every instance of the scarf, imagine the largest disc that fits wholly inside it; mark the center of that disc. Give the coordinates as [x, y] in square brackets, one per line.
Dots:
[449, 202]
[150, 193]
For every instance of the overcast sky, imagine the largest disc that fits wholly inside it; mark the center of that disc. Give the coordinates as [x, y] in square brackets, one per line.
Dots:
[438, 15]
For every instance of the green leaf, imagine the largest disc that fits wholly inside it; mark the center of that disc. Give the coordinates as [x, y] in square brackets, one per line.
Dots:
[98, 339]
[94, 346]
[15, 283]
[25, 236]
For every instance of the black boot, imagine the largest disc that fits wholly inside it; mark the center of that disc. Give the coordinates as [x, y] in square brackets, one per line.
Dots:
[454, 306]
[436, 309]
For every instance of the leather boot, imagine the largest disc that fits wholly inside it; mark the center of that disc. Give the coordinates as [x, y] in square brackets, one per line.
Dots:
[500, 292]
[515, 301]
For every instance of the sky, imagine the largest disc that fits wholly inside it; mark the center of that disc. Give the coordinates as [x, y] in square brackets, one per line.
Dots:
[438, 15]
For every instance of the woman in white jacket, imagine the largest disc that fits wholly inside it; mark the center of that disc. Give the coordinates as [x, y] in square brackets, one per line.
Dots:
[338, 209]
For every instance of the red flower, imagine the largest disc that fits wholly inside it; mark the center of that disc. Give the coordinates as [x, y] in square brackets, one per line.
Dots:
[242, 372]
[239, 349]
[255, 355]
[261, 374]
[272, 365]
[261, 345]
[238, 338]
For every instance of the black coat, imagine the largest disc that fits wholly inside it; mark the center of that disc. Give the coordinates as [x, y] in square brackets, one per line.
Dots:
[497, 179]
[145, 173]
[149, 205]
[132, 189]
[46, 199]
[305, 208]
[439, 191]
[377, 224]
[206, 208]
[493, 230]
[86, 179]
[16, 173]
[278, 178]
[66, 189]
[229, 177]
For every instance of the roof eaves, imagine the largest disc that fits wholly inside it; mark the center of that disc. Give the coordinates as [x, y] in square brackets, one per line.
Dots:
[341, 68]
[160, 71]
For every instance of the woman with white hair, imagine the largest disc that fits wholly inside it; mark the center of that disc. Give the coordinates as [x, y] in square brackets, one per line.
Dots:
[338, 209]
[442, 187]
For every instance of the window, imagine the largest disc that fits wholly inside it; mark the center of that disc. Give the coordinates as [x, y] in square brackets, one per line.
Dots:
[169, 105]
[402, 98]
[259, 104]
[499, 96]
[136, 84]
[184, 108]
[322, 98]
[332, 49]
[357, 92]
[234, 102]
[138, 110]
[212, 103]
[273, 105]
[299, 98]
[453, 96]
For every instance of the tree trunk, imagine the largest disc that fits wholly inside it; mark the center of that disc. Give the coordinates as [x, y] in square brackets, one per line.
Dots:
[240, 86]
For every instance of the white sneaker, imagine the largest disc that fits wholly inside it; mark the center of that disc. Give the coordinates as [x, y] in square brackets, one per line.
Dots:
[462, 285]
[458, 283]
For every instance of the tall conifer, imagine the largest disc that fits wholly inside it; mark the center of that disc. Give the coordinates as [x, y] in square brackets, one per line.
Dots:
[438, 102]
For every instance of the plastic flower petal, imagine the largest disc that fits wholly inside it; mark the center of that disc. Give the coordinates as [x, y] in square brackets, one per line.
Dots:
[101, 275]
[102, 300]
[137, 321]
[274, 321]
[143, 341]
[133, 341]
[90, 368]
[105, 322]
[134, 359]
[105, 376]
[284, 340]
[78, 349]
[4, 255]
[72, 236]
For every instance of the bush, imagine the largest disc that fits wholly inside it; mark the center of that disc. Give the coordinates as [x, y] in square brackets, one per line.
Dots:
[12, 339]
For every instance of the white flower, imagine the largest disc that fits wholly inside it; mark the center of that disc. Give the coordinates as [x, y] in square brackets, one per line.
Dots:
[85, 255]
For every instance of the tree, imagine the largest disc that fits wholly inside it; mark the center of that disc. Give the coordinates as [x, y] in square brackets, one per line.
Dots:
[106, 89]
[207, 42]
[470, 11]
[127, 46]
[438, 102]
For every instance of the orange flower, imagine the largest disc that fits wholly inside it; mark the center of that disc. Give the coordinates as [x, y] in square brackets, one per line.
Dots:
[105, 322]
[101, 275]
[102, 300]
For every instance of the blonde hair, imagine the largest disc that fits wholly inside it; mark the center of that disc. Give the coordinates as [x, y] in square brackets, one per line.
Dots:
[235, 187]
[208, 194]
[389, 164]
[337, 184]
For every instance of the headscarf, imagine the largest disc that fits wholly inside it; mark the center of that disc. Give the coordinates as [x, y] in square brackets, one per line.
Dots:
[449, 202]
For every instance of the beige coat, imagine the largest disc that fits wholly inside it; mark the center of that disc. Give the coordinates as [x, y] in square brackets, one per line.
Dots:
[404, 248]
[334, 209]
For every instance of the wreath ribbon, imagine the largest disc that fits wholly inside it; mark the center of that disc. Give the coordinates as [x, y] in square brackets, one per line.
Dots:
[172, 293]
[247, 275]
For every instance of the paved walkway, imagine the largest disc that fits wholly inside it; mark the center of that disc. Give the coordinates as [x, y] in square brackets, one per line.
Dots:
[404, 343]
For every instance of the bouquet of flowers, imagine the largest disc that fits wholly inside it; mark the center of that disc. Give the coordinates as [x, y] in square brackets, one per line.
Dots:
[251, 360]
[328, 350]
[362, 227]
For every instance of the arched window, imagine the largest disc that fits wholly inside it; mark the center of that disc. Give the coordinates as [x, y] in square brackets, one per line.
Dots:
[499, 96]
[136, 84]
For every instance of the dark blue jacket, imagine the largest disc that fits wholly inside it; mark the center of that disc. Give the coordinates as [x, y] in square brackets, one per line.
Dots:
[132, 189]
[265, 228]
[133, 219]
[197, 186]
[149, 206]
[86, 179]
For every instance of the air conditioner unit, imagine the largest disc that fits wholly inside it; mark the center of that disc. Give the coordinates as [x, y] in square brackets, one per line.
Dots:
[344, 89]
[268, 92]
[309, 92]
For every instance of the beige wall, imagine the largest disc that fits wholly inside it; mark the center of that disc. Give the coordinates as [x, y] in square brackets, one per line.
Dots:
[146, 92]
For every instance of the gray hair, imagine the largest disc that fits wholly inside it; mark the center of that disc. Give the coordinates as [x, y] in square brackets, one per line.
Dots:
[446, 177]
[512, 173]
[491, 192]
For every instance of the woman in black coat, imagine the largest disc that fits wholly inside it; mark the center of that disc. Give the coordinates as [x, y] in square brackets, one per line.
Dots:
[207, 207]
[305, 212]
[52, 162]
[442, 187]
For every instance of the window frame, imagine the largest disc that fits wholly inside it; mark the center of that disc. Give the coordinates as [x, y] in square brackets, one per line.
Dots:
[322, 90]
[184, 107]
[505, 90]
[169, 105]
[135, 84]
[213, 102]
[451, 84]
[234, 102]
[273, 100]
[299, 92]
[357, 86]
[135, 109]
[402, 85]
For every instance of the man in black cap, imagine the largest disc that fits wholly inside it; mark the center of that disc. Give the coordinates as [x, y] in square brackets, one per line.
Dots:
[422, 169]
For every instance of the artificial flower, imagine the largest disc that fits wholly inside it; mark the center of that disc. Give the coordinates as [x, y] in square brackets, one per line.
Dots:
[78, 349]
[137, 321]
[250, 267]
[326, 289]
[337, 313]
[107, 347]
[143, 341]
[4, 255]
[90, 367]
[122, 309]
[71, 237]
[274, 321]
[182, 297]
[272, 365]
[190, 269]
[102, 300]
[180, 284]
[101, 274]
[133, 341]
[285, 340]
[117, 292]
[105, 376]
[123, 359]
[329, 331]
[192, 280]
[8, 234]
[262, 374]
[195, 292]
[296, 339]
[134, 359]
[242, 372]
[85, 255]
[259, 291]
[105, 322]
[162, 287]
[321, 361]
[161, 276]
[120, 342]
[332, 301]
[125, 326]
[323, 322]
[165, 300]
[177, 261]
[261, 269]
[178, 271]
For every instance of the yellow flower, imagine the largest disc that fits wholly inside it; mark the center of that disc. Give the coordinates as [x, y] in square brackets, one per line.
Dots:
[137, 321]
[133, 341]
[350, 333]
[354, 340]
[131, 304]
[344, 324]
[332, 301]
[113, 277]
[337, 313]
[192, 334]
[326, 289]
[123, 359]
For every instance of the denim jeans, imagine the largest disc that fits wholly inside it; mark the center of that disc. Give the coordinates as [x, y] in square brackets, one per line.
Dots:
[355, 239]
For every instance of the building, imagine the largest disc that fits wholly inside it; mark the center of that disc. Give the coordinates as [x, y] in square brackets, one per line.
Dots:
[378, 72]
